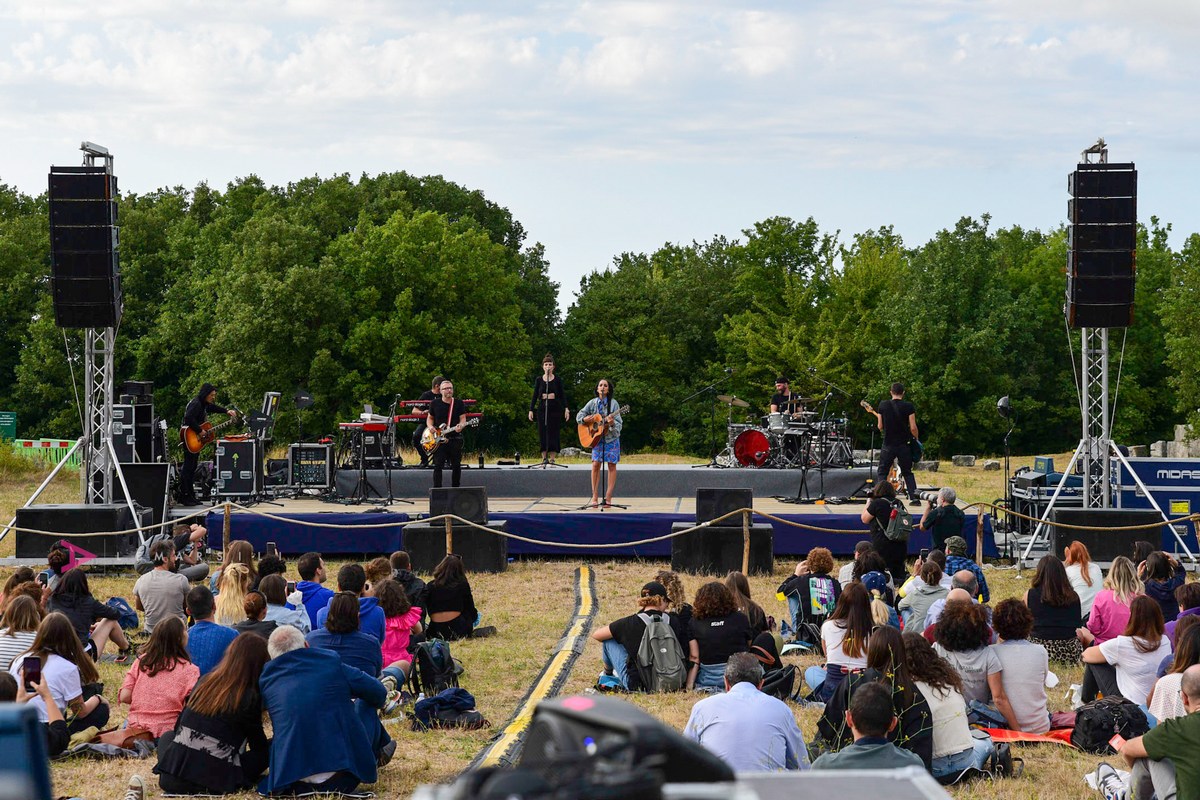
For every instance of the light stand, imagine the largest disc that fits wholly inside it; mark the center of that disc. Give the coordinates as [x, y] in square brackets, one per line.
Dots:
[1004, 409]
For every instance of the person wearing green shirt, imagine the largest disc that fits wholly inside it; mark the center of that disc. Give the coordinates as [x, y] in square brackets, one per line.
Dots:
[1166, 761]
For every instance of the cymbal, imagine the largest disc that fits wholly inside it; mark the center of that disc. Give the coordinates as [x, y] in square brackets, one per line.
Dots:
[733, 401]
[808, 400]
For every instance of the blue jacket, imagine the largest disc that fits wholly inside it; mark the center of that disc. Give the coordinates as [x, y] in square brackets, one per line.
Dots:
[316, 597]
[207, 643]
[359, 650]
[309, 694]
[370, 618]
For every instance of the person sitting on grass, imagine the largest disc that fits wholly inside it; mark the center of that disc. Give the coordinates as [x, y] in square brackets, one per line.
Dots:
[919, 594]
[341, 634]
[232, 587]
[270, 565]
[402, 574]
[748, 730]
[720, 630]
[403, 621]
[161, 591]
[1162, 575]
[21, 575]
[218, 745]
[1056, 610]
[352, 578]
[73, 598]
[677, 597]
[347, 747]
[1163, 762]
[67, 669]
[188, 541]
[311, 569]
[844, 640]
[621, 639]
[160, 680]
[1126, 666]
[13, 690]
[871, 719]
[1024, 666]
[1084, 574]
[1187, 597]
[739, 586]
[811, 594]
[1111, 608]
[274, 590]
[962, 637]
[239, 552]
[1165, 701]
[18, 628]
[256, 622]
[207, 640]
[58, 561]
[449, 602]
[377, 570]
[963, 586]
[846, 572]
[957, 559]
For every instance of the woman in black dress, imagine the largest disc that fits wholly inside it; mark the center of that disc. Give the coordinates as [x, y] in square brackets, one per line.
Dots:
[548, 408]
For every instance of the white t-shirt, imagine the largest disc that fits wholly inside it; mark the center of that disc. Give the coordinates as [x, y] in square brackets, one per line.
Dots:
[846, 574]
[833, 634]
[62, 677]
[1168, 703]
[1087, 594]
[1136, 670]
[951, 732]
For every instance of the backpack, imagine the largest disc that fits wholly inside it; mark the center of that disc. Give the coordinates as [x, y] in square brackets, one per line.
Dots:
[900, 526]
[1097, 721]
[433, 668]
[660, 662]
[129, 618]
[779, 683]
[141, 559]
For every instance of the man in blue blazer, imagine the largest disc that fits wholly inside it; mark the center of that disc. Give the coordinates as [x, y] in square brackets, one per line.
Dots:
[301, 686]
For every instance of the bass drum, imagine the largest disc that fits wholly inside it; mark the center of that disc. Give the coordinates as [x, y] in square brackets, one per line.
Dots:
[755, 448]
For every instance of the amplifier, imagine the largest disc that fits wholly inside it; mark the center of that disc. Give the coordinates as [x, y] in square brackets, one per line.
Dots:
[311, 465]
[239, 470]
[375, 448]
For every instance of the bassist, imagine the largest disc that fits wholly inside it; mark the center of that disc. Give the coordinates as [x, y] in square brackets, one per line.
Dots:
[607, 450]
[194, 417]
[450, 415]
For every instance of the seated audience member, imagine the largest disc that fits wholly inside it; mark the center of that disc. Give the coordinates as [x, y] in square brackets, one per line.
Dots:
[256, 622]
[341, 752]
[402, 622]
[1126, 666]
[158, 683]
[13, 690]
[955, 748]
[887, 663]
[377, 570]
[206, 640]
[811, 594]
[352, 578]
[1141, 551]
[677, 599]
[161, 591]
[1024, 666]
[844, 640]
[739, 586]
[74, 599]
[1164, 666]
[944, 520]
[846, 573]
[1056, 612]
[965, 582]
[232, 587]
[18, 628]
[870, 562]
[957, 560]
[748, 730]
[1163, 574]
[311, 569]
[218, 745]
[620, 640]
[919, 594]
[1165, 701]
[720, 630]
[21, 575]
[240, 552]
[274, 590]
[449, 603]
[1085, 575]
[962, 638]
[1110, 609]
[67, 669]
[189, 539]
[58, 561]
[270, 565]
[882, 597]
[870, 718]
[1187, 597]
[342, 635]
[402, 574]
[1163, 763]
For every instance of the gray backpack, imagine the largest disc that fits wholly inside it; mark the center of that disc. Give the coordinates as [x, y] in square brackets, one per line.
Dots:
[659, 660]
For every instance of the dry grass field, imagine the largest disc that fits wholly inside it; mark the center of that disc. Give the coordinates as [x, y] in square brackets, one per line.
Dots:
[530, 604]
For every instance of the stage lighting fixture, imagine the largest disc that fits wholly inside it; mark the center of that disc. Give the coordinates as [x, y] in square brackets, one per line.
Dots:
[1004, 407]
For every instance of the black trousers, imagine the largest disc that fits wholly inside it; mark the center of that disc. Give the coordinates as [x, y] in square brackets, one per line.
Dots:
[187, 475]
[1100, 679]
[901, 454]
[416, 443]
[451, 449]
[254, 764]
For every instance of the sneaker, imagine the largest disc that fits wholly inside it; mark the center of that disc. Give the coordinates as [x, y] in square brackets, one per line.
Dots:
[389, 683]
[393, 701]
[136, 789]
[125, 656]
[1109, 782]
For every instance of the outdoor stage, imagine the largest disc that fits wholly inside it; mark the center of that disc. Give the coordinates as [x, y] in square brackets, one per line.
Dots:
[542, 505]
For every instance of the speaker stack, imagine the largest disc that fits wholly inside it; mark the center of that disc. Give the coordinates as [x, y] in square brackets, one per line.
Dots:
[85, 274]
[1102, 543]
[717, 550]
[1102, 259]
[481, 551]
[53, 520]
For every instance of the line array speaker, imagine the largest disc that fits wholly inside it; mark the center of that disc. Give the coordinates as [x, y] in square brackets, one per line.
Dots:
[85, 271]
[1102, 259]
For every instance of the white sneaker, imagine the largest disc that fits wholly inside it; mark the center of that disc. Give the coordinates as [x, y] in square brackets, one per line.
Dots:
[1109, 783]
[136, 789]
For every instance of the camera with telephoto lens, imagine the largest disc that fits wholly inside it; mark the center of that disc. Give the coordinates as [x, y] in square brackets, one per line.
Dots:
[930, 497]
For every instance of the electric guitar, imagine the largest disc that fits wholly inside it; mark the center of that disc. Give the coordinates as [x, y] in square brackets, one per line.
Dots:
[433, 438]
[915, 448]
[195, 442]
[593, 428]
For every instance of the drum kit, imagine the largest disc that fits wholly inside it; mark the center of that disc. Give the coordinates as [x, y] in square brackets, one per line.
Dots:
[801, 440]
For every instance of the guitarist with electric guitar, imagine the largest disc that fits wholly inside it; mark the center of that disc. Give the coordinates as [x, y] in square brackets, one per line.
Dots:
[600, 428]
[897, 418]
[443, 429]
[195, 433]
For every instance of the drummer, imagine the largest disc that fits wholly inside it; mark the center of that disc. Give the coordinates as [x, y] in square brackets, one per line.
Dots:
[784, 402]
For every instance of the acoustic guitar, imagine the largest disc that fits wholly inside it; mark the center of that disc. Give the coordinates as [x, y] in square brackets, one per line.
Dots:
[593, 428]
[195, 442]
[433, 438]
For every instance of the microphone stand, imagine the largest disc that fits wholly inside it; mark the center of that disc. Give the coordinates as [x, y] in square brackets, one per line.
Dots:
[389, 453]
[712, 424]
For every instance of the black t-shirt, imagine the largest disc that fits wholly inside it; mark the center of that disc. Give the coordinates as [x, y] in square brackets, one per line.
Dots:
[895, 415]
[441, 412]
[721, 637]
[881, 509]
[628, 631]
[787, 404]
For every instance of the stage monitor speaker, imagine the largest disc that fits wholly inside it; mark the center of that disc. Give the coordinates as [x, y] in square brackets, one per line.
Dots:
[85, 274]
[573, 729]
[481, 551]
[100, 519]
[149, 484]
[1102, 543]
[468, 502]
[714, 503]
[239, 470]
[718, 550]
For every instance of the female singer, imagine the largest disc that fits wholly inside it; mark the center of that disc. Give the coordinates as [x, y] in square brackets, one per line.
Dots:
[548, 403]
[608, 449]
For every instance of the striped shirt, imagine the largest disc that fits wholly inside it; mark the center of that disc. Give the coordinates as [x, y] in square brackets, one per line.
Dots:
[12, 646]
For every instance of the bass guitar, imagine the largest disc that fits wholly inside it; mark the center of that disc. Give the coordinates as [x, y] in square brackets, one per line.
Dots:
[593, 428]
[195, 442]
[433, 438]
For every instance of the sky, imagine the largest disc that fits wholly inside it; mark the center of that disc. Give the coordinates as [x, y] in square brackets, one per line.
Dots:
[611, 127]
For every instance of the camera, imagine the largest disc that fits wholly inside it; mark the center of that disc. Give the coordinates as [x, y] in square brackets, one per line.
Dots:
[931, 497]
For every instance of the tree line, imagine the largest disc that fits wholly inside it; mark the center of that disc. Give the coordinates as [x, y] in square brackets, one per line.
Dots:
[361, 290]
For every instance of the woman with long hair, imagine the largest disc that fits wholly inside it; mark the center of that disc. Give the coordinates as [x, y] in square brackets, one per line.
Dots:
[1163, 574]
[739, 586]
[877, 513]
[451, 606]
[21, 575]
[1126, 666]
[73, 598]
[720, 630]
[240, 552]
[607, 449]
[677, 601]
[274, 591]
[160, 680]
[343, 636]
[1024, 664]
[1056, 611]
[549, 408]
[844, 640]
[962, 637]
[68, 671]
[218, 745]
[18, 628]
[1110, 611]
[1165, 701]
[1141, 551]
[232, 586]
[1084, 574]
